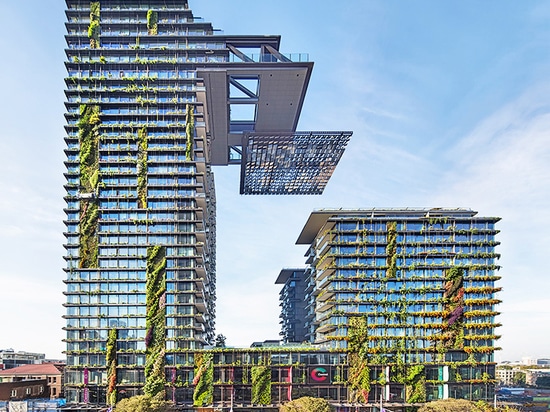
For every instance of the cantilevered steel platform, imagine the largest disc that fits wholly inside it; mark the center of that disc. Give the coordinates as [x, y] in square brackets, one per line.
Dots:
[252, 105]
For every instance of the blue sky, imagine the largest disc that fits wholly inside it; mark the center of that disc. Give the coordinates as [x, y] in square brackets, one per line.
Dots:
[449, 105]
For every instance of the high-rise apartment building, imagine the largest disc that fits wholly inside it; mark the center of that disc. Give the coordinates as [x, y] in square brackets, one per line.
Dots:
[293, 304]
[154, 98]
[402, 289]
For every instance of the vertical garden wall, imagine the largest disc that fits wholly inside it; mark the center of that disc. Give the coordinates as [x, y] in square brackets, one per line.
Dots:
[453, 325]
[203, 380]
[261, 384]
[155, 323]
[359, 372]
[88, 133]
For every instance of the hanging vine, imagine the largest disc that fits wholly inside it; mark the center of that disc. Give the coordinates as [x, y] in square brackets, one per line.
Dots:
[204, 379]
[261, 384]
[391, 250]
[94, 27]
[155, 322]
[189, 131]
[111, 367]
[142, 168]
[88, 134]
[152, 22]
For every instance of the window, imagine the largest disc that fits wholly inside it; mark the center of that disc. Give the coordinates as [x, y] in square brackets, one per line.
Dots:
[13, 393]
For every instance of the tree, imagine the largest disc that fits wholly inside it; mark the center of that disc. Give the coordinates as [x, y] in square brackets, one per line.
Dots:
[448, 405]
[144, 403]
[220, 341]
[519, 378]
[461, 405]
[307, 404]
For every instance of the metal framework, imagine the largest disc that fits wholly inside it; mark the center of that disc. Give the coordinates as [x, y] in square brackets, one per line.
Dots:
[299, 163]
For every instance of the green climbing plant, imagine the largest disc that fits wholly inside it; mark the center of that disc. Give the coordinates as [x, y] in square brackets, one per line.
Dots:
[110, 356]
[94, 27]
[155, 321]
[152, 22]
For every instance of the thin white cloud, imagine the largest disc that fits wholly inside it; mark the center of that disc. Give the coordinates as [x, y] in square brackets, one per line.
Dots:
[503, 168]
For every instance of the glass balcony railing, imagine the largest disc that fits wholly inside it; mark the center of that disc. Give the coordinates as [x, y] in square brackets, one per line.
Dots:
[270, 58]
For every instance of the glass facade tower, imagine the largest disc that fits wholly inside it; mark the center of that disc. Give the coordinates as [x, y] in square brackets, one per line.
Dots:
[154, 98]
[140, 195]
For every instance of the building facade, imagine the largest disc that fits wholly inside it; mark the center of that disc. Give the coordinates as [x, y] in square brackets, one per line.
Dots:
[410, 293]
[154, 98]
[46, 380]
[21, 390]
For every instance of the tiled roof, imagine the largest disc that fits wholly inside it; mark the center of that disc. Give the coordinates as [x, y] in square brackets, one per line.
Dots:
[32, 369]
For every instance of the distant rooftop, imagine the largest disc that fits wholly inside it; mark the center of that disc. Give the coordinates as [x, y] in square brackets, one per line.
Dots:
[285, 274]
[32, 369]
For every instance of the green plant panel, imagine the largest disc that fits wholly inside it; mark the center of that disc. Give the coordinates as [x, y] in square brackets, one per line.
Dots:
[359, 372]
[261, 384]
[88, 235]
[88, 134]
[415, 384]
[453, 327]
[155, 321]
[110, 356]
[391, 250]
[203, 393]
